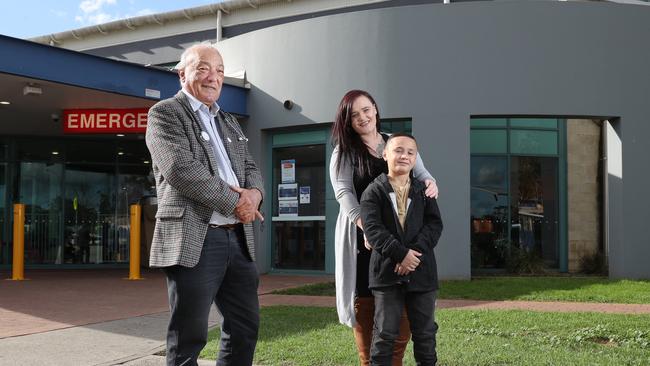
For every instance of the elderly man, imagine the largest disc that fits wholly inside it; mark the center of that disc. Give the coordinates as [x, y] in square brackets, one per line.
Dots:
[209, 192]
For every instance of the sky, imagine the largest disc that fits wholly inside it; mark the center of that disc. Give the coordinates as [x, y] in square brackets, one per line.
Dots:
[30, 18]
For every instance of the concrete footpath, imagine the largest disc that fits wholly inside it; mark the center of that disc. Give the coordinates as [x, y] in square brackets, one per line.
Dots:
[95, 317]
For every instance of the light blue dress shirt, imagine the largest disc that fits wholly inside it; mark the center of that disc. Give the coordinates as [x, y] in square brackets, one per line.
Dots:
[207, 118]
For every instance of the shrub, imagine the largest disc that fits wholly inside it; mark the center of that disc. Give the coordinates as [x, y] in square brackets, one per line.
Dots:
[523, 261]
[595, 263]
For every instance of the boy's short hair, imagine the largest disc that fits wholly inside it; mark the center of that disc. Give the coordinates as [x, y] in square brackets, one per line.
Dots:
[401, 134]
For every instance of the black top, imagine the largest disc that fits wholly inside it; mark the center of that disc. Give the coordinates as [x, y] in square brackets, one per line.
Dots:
[377, 167]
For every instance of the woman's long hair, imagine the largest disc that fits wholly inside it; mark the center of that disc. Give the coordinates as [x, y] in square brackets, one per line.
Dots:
[349, 142]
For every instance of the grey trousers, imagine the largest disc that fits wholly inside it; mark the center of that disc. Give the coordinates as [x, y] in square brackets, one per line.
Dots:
[420, 306]
[226, 277]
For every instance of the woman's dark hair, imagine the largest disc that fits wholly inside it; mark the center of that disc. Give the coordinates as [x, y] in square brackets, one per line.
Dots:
[349, 142]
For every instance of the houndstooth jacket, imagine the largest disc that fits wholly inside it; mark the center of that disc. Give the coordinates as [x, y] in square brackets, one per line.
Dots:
[188, 185]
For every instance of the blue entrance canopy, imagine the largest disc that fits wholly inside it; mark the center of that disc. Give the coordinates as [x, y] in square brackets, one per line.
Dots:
[37, 61]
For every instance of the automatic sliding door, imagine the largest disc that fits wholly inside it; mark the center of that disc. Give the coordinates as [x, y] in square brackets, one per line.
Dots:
[40, 191]
[91, 226]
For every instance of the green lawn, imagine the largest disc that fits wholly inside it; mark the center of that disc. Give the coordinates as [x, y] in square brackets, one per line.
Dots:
[312, 336]
[580, 289]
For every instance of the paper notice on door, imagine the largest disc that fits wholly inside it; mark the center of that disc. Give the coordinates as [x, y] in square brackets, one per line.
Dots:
[288, 208]
[305, 195]
[288, 170]
[287, 191]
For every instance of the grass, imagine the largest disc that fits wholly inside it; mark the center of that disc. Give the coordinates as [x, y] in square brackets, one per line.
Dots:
[578, 289]
[292, 336]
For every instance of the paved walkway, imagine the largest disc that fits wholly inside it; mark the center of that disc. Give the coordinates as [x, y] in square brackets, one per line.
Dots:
[59, 299]
[95, 317]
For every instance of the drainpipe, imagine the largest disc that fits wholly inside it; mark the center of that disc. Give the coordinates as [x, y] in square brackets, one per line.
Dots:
[219, 26]
[605, 220]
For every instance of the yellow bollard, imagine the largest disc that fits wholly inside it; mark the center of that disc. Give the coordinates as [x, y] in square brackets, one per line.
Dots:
[134, 254]
[18, 268]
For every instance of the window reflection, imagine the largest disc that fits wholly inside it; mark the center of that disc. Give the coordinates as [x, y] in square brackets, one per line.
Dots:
[76, 201]
[534, 209]
[489, 211]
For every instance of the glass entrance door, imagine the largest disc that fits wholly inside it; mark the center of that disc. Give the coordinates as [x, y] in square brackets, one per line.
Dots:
[40, 191]
[4, 243]
[92, 227]
[298, 222]
[298, 190]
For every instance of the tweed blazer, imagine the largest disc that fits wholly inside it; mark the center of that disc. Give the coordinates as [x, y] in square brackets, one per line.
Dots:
[188, 185]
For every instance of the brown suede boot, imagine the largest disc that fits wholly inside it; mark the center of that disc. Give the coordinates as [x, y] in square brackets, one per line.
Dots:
[402, 340]
[364, 312]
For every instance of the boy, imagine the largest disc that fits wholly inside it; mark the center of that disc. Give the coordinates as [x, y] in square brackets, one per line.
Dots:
[403, 226]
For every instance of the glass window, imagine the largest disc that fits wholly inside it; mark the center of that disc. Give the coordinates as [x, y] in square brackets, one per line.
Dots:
[533, 142]
[90, 151]
[299, 245]
[308, 171]
[4, 243]
[534, 207]
[488, 122]
[40, 191]
[489, 211]
[514, 198]
[302, 137]
[132, 152]
[534, 122]
[394, 126]
[488, 142]
[52, 151]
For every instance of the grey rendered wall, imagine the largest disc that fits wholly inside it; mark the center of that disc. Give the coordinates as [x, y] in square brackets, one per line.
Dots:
[440, 64]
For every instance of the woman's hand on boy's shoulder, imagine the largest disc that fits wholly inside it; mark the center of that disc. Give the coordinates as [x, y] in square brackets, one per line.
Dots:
[431, 190]
[366, 243]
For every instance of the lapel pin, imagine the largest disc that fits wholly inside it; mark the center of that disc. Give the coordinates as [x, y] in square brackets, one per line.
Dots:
[205, 136]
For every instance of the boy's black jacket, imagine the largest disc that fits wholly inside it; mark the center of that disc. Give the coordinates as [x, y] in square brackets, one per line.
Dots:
[422, 230]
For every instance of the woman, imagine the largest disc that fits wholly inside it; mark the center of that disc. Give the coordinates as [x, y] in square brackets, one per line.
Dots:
[356, 161]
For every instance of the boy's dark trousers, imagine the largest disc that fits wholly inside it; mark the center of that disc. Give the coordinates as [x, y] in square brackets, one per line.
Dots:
[389, 303]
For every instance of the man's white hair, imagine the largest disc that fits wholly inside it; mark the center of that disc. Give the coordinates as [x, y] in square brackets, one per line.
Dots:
[190, 52]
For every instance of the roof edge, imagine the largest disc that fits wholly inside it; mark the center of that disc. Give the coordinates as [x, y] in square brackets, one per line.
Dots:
[158, 18]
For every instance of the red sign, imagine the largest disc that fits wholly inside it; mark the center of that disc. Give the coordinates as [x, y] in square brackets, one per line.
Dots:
[105, 120]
